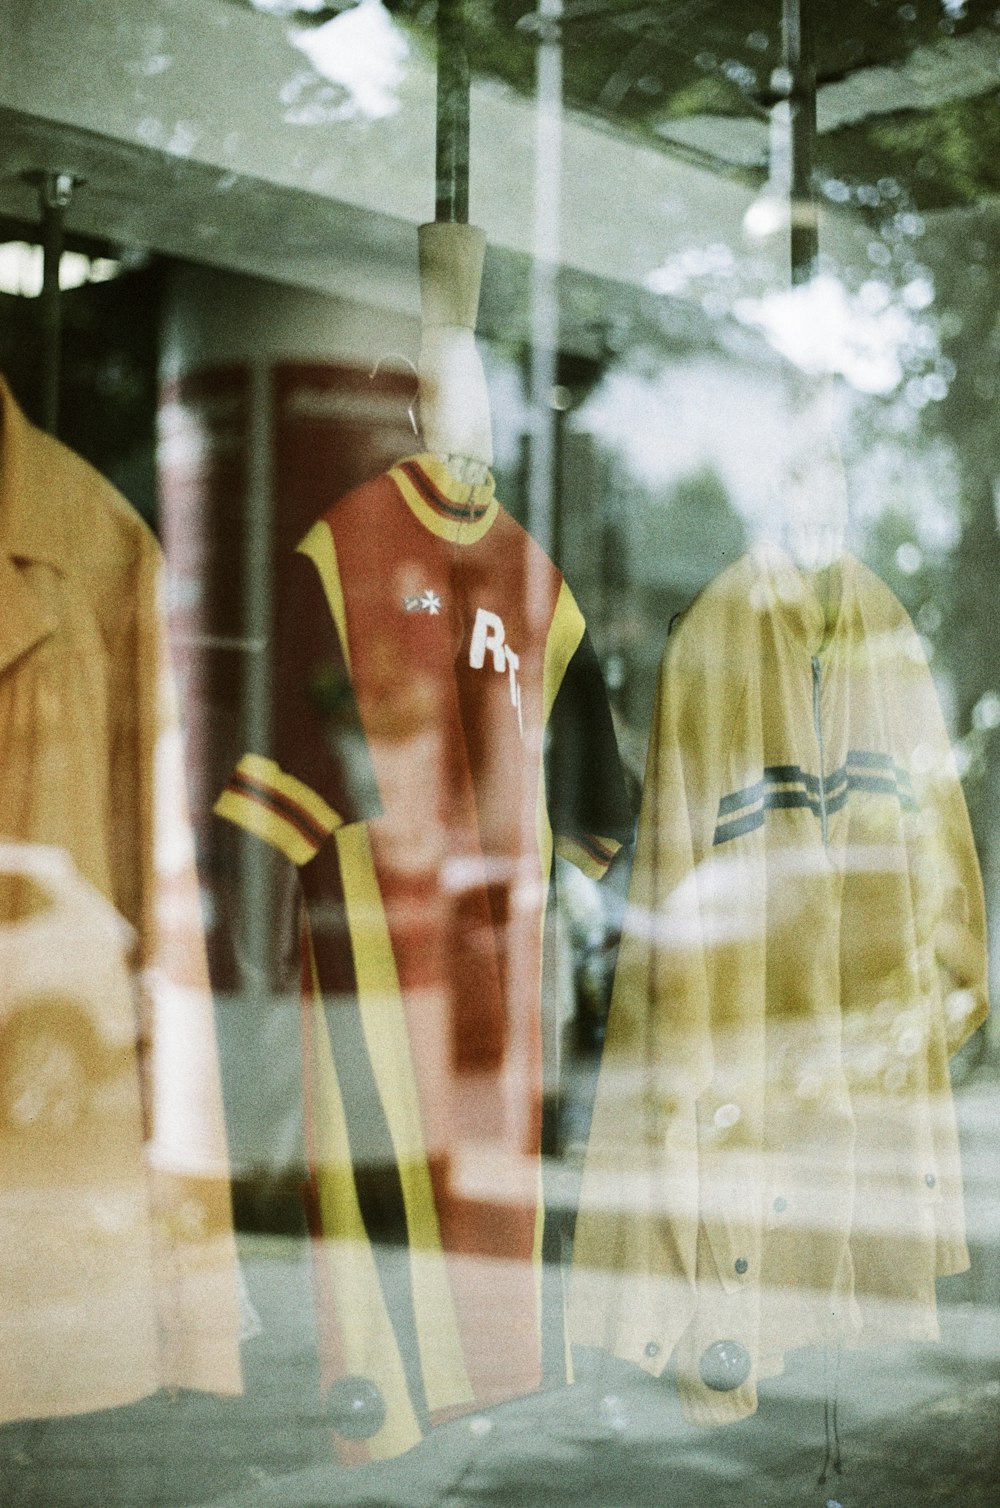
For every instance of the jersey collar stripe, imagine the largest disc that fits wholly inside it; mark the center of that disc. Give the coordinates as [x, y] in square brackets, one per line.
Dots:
[437, 500]
[295, 815]
[480, 494]
[413, 477]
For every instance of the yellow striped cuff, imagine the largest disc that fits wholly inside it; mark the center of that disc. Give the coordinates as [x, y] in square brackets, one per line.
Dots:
[590, 855]
[276, 807]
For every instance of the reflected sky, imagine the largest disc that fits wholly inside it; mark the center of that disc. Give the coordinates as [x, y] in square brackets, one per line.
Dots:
[361, 50]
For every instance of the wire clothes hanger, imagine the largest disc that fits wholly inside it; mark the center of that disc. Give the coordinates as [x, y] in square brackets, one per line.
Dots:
[398, 356]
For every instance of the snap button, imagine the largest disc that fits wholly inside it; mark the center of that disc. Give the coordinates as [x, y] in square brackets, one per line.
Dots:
[356, 1408]
[725, 1366]
[780, 1205]
[741, 1265]
[652, 1349]
[726, 1117]
[930, 1180]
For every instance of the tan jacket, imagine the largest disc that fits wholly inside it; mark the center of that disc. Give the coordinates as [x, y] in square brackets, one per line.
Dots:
[773, 1160]
[117, 1260]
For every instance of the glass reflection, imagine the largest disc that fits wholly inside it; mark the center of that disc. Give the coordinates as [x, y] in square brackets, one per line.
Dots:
[431, 653]
[804, 949]
[117, 1257]
[774, 1158]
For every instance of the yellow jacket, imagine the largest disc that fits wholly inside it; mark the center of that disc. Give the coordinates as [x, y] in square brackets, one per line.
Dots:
[773, 1160]
[117, 1260]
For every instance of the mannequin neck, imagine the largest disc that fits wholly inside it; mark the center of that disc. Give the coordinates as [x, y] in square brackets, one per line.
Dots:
[466, 469]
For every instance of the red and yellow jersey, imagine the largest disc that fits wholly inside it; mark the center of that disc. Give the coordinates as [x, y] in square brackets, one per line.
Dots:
[442, 728]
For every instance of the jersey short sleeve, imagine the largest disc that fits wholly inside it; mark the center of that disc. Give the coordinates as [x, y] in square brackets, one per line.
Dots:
[316, 774]
[589, 808]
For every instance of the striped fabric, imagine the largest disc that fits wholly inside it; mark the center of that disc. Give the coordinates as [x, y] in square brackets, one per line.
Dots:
[275, 806]
[423, 955]
[589, 854]
[462, 514]
[470, 511]
[789, 787]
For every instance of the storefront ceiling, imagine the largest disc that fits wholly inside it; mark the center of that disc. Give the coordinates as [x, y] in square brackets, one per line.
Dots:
[190, 120]
[904, 90]
[204, 129]
[188, 211]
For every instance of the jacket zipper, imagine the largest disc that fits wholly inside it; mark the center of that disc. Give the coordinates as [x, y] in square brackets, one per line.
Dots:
[817, 674]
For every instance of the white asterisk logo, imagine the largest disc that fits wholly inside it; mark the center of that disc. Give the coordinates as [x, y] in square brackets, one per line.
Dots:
[427, 602]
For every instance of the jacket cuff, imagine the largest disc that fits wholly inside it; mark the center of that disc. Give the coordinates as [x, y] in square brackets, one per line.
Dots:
[262, 798]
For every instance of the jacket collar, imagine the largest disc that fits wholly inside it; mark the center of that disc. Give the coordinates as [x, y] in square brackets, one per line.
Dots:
[782, 589]
[33, 522]
[32, 527]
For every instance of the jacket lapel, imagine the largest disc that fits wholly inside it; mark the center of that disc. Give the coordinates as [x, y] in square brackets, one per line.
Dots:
[32, 528]
[24, 619]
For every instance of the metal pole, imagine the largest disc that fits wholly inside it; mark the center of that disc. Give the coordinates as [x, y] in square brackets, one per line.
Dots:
[54, 193]
[452, 203]
[543, 447]
[542, 477]
[543, 502]
[800, 62]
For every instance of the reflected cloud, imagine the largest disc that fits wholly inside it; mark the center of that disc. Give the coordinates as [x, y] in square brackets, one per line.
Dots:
[667, 426]
[823, 328]
[362, 53]
[872, 320]
[709, 907]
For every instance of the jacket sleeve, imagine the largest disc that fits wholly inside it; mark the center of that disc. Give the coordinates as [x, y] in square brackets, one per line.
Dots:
[588, 804]
[633, 1281]
[313, 773]
[950, 887]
